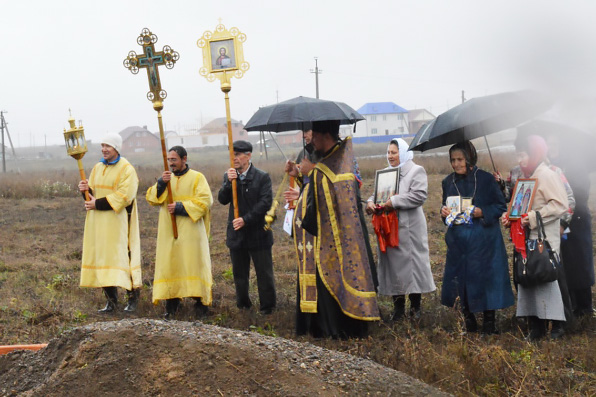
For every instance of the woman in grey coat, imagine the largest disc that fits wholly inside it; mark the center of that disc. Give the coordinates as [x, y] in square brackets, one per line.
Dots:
[405, 269]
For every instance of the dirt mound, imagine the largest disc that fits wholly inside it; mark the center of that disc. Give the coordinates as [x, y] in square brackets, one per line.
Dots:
[151, 357]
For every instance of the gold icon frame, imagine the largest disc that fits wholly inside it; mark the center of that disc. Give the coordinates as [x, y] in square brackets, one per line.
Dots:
[211, 44]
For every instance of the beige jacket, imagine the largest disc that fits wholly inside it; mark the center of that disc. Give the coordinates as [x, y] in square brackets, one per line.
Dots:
[551, 200]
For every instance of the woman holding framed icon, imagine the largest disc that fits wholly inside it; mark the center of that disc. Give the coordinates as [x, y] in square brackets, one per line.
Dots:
[542, 302]
[476, 268]
[403, 270]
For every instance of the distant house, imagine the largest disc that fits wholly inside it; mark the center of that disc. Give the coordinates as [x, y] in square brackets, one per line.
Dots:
[286, 137]
[139, 139]
[383, 121]
[419, 117]
[192, 140]
[214, 133]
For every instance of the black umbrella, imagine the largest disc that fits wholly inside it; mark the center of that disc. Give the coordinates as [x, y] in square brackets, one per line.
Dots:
[479, 117]
[294, 114]
[576, 141]
[575, 135]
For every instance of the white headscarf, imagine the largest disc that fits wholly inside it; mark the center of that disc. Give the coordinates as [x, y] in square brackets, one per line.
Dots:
[404, 154]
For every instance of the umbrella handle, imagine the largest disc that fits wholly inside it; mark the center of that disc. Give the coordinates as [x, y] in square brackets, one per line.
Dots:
[490, 154]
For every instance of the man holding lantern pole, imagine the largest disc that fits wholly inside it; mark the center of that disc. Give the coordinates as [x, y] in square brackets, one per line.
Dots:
[111, 244]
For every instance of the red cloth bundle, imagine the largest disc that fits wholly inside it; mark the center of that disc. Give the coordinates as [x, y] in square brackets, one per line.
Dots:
[386, 227]
[518, 236]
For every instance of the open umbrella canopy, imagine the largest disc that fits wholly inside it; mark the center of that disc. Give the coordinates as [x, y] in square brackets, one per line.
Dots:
[573, 134]
[575, 142]
[479, 117]
[294, 113]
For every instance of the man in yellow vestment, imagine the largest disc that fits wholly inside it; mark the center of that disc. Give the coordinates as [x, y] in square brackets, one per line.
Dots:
[182, 265]
[111, 245]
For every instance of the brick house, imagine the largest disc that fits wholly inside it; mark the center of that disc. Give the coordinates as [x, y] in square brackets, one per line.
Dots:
[139, 139]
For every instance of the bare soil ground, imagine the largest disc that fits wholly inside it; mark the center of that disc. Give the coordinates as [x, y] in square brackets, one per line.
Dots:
[40, 253]
[154, 357]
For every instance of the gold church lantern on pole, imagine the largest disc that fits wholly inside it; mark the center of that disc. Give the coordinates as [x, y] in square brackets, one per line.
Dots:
[223, 58]
[150, 60]
[76, 146]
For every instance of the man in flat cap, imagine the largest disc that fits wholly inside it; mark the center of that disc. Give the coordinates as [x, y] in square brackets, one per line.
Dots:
[111, 244]
[246, 236]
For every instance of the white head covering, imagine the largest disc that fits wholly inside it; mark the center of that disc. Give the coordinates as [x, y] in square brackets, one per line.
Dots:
[114, 140]
[404, 154]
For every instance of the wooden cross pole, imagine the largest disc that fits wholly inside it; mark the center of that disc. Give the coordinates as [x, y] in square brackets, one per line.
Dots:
[225, 89]
[150, 60]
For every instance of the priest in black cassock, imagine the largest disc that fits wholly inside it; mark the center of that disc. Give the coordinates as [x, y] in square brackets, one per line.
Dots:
[336, 293]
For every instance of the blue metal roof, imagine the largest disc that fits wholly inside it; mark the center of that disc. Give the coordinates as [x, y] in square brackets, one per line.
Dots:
[381, 108]
[378, 138]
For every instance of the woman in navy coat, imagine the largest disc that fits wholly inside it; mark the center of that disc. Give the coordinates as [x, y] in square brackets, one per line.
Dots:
[476, 269]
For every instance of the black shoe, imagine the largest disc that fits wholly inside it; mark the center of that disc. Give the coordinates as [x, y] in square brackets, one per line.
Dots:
[267, 311]
[109, 307]
[399, 308]
[415, 313]
[133, 301]
[537, 329]
[200, 309]
[489, 323]
[558, 330]
[535, 335]
[172, 306]
[111, 294]
[489, 328]
[470, 321]
[397, 315]
[168, 316]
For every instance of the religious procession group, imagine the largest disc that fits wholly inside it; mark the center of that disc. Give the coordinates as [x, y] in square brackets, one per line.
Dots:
[337, 278]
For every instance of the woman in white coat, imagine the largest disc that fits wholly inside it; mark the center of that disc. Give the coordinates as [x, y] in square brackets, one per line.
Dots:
[405, 269]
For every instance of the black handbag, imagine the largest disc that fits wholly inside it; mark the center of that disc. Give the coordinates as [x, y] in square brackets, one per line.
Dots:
[541, 262]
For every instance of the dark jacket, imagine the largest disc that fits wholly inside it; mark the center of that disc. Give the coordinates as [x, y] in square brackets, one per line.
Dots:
[476, 267]
[254, 200]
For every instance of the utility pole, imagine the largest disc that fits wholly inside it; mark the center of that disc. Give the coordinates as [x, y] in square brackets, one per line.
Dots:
[463, 98]
[3, 151]
[4, 126]
[317, 71]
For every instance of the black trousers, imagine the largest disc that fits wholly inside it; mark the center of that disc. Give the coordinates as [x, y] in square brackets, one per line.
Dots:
[330, 320]
[264, 270]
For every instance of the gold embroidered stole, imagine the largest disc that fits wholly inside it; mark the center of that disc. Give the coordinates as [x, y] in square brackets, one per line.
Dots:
[339, 250]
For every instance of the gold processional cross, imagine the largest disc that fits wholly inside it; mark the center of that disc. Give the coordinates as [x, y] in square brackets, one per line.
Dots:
[150, 60]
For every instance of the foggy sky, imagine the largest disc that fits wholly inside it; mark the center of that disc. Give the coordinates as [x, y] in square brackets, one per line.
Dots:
[419, 54]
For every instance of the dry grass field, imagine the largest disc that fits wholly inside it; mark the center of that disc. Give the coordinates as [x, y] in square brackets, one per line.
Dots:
[41, 225]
